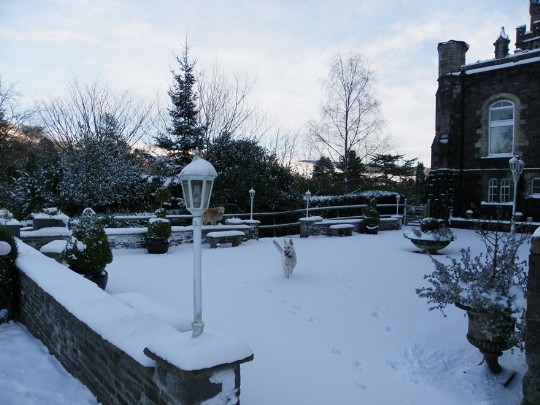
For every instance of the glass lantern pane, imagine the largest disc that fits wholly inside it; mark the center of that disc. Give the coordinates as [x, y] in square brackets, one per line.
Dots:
[207, 191]
[197, 193]
[187, 194]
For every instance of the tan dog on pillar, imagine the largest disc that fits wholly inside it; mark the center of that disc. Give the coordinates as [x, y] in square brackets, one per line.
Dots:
[213, 215]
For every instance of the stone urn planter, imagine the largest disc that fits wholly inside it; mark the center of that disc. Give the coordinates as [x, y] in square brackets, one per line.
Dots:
[490, 286]
[431, 236]
[491, 333]
[427, 244]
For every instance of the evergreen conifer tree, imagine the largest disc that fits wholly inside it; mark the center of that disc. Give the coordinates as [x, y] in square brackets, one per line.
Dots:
[185, 134]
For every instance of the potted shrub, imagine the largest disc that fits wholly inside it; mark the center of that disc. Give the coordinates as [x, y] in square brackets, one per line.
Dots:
[490, 286]
[372, 218]
[88, 250]
[431, 236]
[158, 234]
[9, 277]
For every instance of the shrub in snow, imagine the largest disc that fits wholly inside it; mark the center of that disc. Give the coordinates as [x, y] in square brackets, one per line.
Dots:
[372, 217]
[431, 229]
[159, 228]
[9, 277]
[494, 281]
[88, 248]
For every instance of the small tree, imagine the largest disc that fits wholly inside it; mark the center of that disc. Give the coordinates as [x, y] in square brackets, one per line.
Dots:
[88, 249]
[185, 134]
[350, 116]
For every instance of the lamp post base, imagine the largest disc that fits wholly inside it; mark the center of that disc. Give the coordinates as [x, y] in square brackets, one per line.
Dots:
[197, 328]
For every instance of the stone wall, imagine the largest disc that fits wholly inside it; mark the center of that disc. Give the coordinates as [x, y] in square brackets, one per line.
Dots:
[105, 343]
[133, 238]
[531, 381]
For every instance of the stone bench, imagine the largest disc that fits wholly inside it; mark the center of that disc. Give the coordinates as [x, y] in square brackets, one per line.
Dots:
[323, 227]
[341, 230]
[234, 237]
[54, 249]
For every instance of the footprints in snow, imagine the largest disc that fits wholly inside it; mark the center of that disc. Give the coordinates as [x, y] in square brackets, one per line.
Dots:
[377, 314]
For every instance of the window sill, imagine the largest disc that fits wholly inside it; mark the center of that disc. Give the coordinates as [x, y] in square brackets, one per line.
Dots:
[498, 156]
[509, 204]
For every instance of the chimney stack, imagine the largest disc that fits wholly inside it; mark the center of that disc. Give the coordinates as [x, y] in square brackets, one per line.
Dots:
[451, 56]
[501, 45]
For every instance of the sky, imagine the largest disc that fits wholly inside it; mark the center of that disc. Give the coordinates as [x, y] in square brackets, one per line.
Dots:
[286, 45]
[346, 328]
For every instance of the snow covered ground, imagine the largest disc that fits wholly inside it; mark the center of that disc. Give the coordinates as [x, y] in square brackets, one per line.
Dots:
[346, 328]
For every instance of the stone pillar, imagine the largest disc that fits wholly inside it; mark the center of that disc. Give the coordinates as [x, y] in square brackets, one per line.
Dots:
[191, 370]
[307, 224]
[531, 381]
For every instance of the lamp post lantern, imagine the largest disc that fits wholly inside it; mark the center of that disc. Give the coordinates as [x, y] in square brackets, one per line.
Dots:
[251, 197]
[398, 197]
[197, 179]
[307, 197]
[5, 248]
[516, 167]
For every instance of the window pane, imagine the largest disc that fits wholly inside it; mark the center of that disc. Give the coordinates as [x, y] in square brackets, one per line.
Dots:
[502, 114]
[502, 104]
[536, 186]
[500, 140]
[492, 190]
[505, 190]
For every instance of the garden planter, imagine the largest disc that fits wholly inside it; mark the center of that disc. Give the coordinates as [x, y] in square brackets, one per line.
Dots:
[100, 277]
[372, 230]
[430, 246]
[491, 333]
[157, 245]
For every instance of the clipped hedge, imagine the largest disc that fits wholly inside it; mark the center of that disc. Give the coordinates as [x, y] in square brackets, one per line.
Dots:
[9, 278]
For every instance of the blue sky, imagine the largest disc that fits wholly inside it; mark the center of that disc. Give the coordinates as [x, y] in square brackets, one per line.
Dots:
[286, 44]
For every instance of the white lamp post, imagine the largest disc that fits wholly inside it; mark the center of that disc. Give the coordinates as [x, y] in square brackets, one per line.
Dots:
[5, 248]
[398, 197]
[516, 167]
[197, 179]
[308, 197]
[251, 196]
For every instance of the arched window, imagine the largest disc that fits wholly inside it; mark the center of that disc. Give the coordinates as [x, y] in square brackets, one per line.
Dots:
[501, 128]
[535, 186]
[493, 186]
[505, 190]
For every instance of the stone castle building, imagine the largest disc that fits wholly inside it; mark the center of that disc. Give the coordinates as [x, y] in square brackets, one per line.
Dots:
[486, 113]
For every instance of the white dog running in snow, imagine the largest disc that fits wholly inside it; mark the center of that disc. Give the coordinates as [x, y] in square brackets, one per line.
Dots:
[288, 256]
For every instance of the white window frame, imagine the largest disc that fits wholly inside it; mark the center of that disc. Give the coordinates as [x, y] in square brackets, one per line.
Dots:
[535, 186]
[493, 188]
[504, 193]
[495, 124]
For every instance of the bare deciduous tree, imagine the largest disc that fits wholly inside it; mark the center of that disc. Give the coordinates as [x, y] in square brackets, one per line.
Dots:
[350, 115]
[86, 112]
[225, 107]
